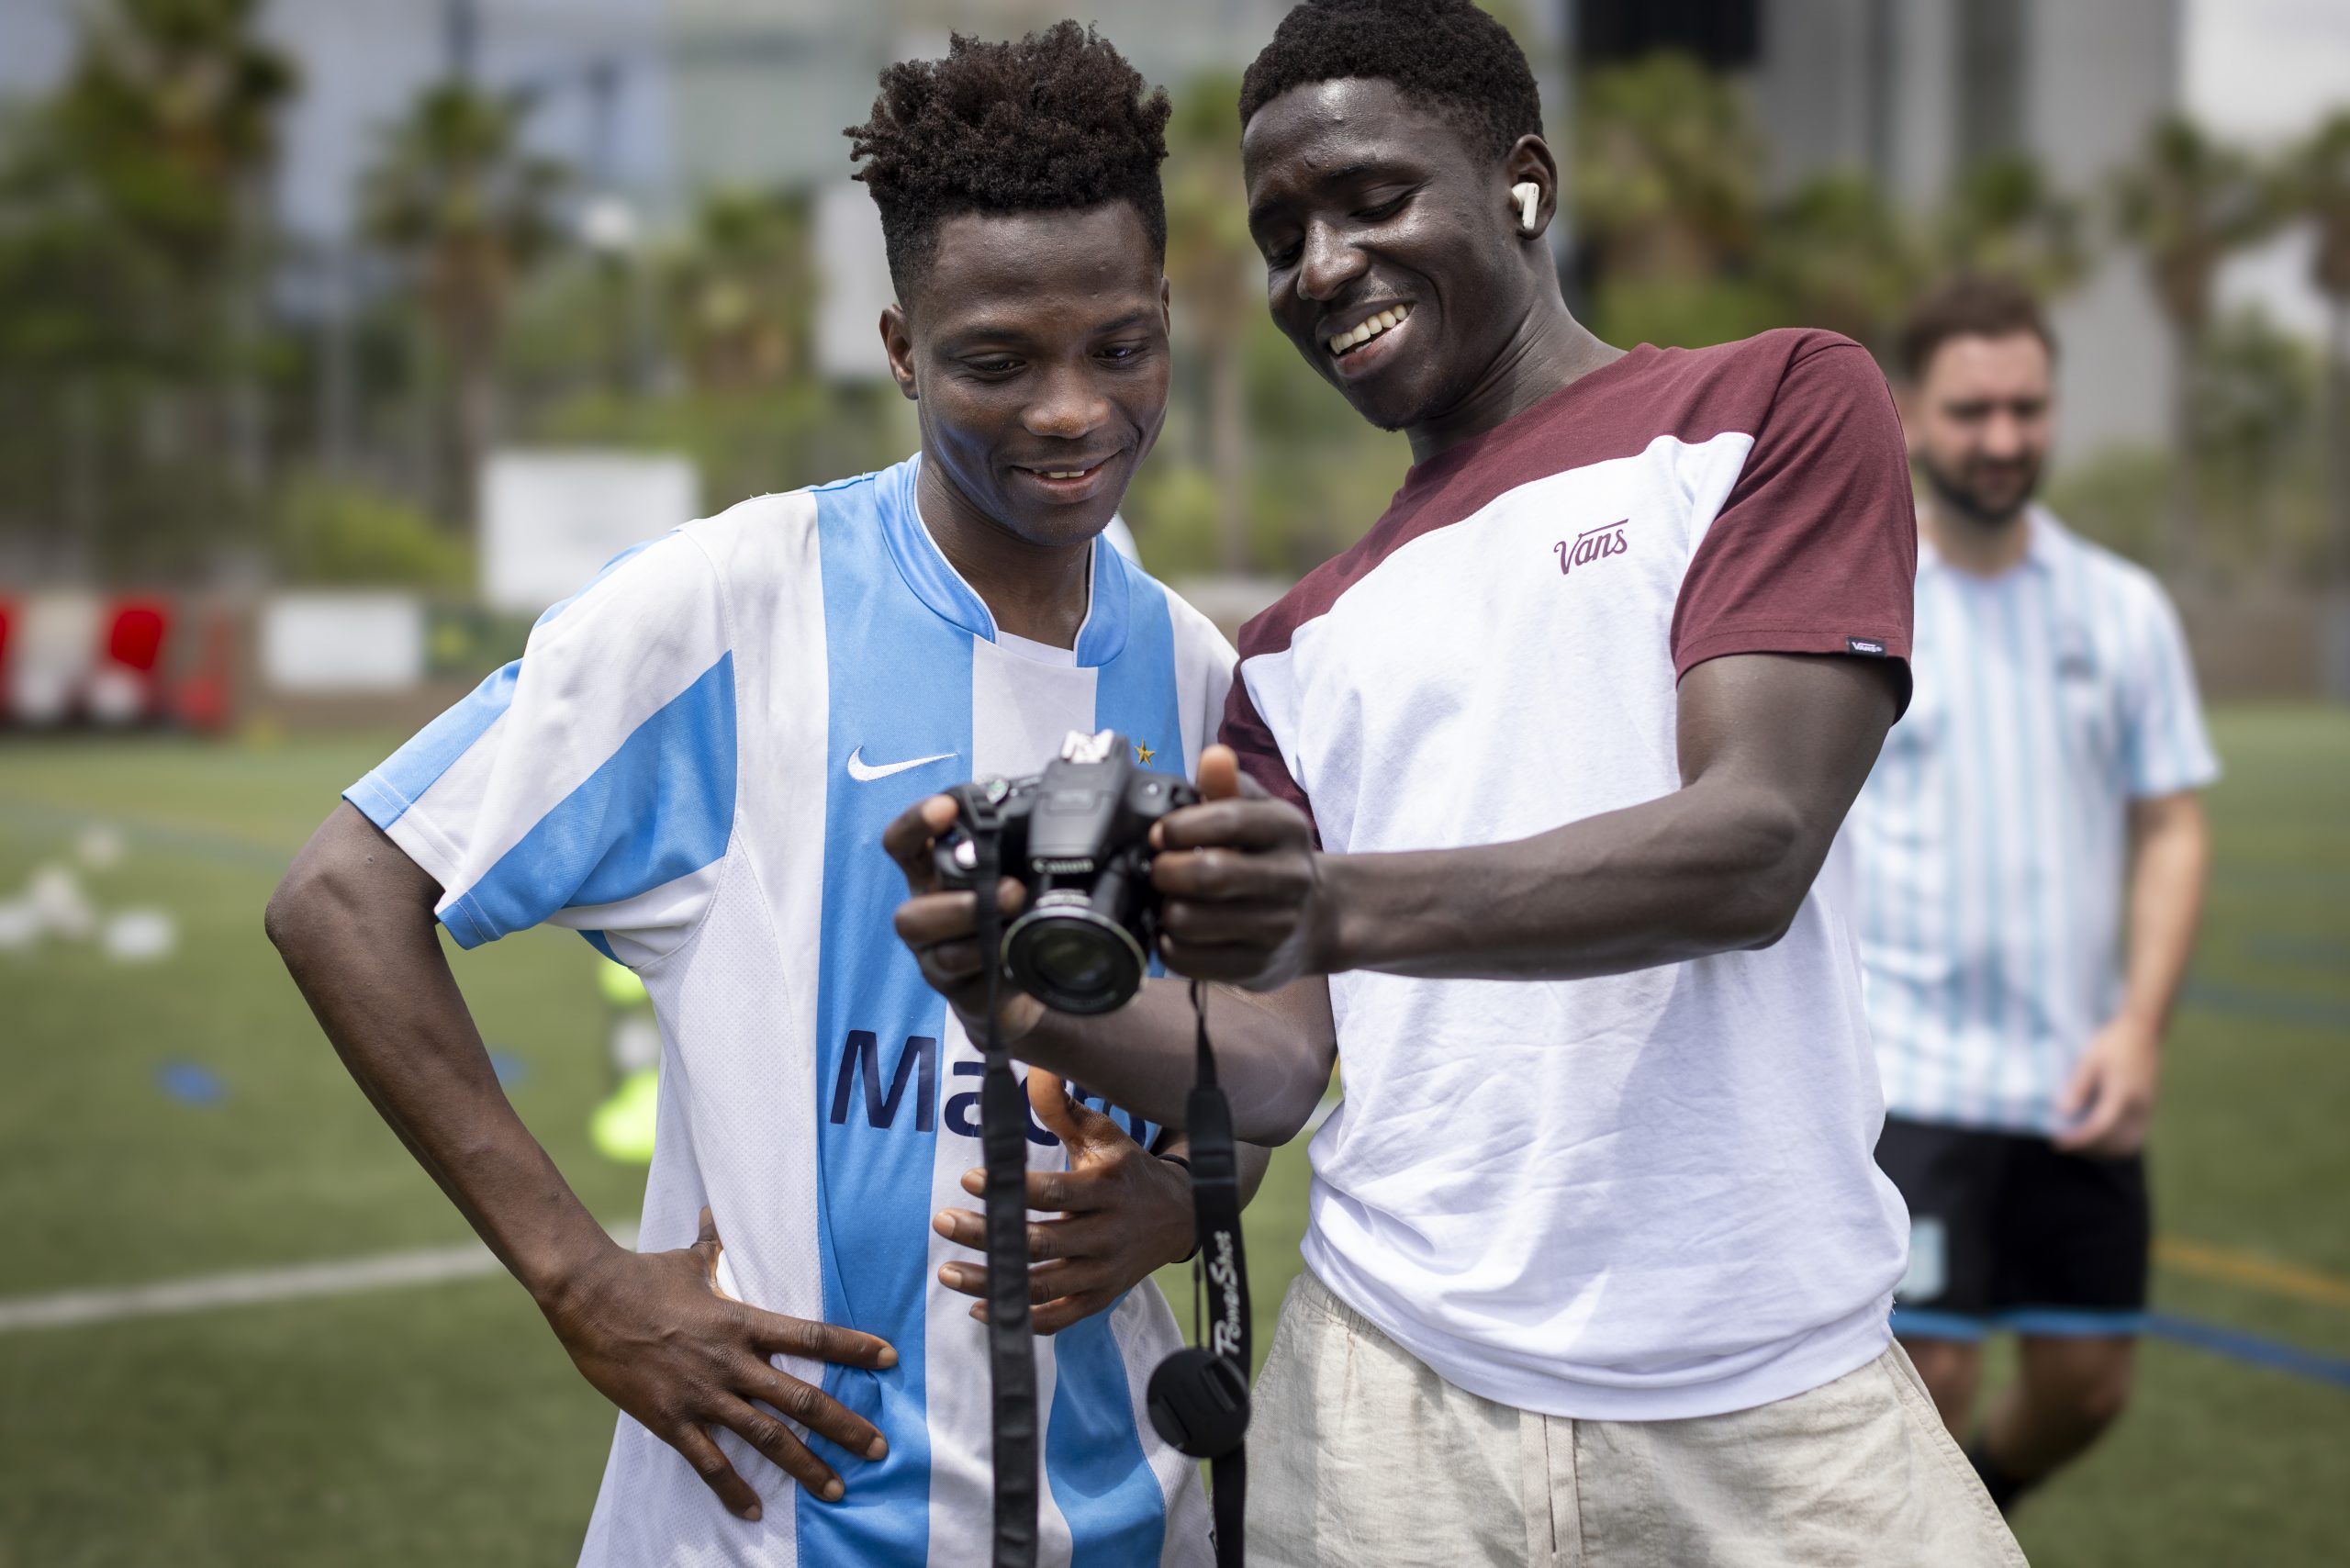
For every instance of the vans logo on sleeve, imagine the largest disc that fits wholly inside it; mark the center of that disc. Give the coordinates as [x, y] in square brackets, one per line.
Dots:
[1591, 545]
[1869, 645]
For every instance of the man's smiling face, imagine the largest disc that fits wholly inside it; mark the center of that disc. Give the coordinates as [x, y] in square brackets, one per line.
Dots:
[1389, 259]
[1037, 346]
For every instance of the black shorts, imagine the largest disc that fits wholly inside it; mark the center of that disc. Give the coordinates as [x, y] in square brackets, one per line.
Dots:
[2007, 1231]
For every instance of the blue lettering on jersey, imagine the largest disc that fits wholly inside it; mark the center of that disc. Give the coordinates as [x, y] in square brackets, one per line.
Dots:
[860, 1072]
[861, 1064]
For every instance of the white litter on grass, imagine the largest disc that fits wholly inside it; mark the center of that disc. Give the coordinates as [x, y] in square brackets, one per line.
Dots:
[139, 937]
[116, 694]
[636, 1043]
[255, 1287]
[99, 847]
[20, 925]
[41, 697]
[55, 893]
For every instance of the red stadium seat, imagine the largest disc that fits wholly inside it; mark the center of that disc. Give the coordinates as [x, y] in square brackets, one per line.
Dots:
[126, 685]
[136, 633]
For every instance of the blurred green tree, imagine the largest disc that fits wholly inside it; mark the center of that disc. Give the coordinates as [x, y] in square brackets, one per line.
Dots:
[1835, 254]
[2004, 218]
[469, 212]
[2257, 392]
[1666, 180]
[2188, 202]
[342, 533]
[2115, 495]
[1685, 243]
[1215, 281]
[2320, 188]
[1667, 168]
[739, 290]
[134, 256]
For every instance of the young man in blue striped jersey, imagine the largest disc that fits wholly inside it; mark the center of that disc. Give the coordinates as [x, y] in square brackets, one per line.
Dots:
[2042, 784]
[692, 764]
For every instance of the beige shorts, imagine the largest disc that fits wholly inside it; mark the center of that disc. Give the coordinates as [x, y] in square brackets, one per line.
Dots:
[1361, 1455]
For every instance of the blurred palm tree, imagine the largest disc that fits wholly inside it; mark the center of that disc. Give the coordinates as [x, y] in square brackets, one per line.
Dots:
[2321, 191]
[2003, 219]
[169, 116]
[1667, 185]
[133, 263]
[2256, 396]
[1668, 169]
[1216, 281]
[1836, 256]
[457, 199]
[740, 290]
[2188, 202]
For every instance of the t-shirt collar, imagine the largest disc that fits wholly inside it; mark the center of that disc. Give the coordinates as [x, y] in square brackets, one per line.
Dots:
[2039, 546]
[937, 584]
[1463, 453]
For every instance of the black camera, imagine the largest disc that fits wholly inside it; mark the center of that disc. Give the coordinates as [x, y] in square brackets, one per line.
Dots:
[1077, 837]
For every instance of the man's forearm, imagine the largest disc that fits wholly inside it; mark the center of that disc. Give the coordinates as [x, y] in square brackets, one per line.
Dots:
[1272, 1054]
[1772, 749]
[368, 959]
[1709, 869]
[1252, 1157]
[2170, 863]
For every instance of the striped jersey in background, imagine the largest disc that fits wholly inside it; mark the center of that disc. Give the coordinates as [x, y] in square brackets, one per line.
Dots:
[1991, 839]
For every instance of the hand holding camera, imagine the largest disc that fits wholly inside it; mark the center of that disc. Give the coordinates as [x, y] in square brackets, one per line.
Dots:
[1244, 897]
[1102, 860]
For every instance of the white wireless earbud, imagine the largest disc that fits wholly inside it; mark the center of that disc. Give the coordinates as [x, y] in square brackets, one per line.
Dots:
[1529, 196]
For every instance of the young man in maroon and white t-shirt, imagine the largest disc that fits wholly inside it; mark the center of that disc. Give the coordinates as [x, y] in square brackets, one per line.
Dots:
[1599, 1263]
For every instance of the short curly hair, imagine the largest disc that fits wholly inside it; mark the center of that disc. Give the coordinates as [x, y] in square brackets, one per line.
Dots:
[1447, 54]
[1056, 120]
[1970, 305]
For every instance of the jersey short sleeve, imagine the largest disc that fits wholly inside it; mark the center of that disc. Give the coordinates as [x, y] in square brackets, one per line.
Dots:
[1245, 732]
[1815, 549]
[591, 782]
[2166, 747]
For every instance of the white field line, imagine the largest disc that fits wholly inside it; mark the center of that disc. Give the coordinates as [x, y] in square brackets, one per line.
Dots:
[254, 1287]
[251, 1287]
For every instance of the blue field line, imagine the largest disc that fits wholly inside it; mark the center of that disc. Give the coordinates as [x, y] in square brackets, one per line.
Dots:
[2236, 1344]
[226, 848]
[2300, 950]
[2242, 1001]
[191, 1083]
[2278, 879]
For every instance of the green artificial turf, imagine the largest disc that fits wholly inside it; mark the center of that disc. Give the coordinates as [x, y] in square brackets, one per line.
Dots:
[443, 1422]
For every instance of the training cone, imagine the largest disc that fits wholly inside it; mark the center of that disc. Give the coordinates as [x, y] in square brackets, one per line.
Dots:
[623, 1125]
[620, 985]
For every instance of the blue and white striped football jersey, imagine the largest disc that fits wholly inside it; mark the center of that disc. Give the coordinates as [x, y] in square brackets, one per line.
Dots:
[1990, 842]
[691, 765]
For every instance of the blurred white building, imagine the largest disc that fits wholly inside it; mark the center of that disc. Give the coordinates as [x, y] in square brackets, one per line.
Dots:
[1913, 91]
[655, 100]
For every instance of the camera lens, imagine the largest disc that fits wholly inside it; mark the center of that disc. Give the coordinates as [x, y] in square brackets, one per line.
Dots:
[1070, 958]
[1073, 959]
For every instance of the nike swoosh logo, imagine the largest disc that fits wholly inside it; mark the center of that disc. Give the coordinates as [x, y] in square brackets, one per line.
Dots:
[865, 772]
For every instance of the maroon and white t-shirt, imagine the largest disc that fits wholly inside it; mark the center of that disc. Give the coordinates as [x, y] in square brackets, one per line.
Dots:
[1649, 1195]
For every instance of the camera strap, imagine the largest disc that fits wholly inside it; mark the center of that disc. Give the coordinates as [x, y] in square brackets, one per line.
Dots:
[1198, 1398]
[1221, 1264]
[1003, 1140]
